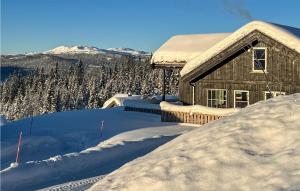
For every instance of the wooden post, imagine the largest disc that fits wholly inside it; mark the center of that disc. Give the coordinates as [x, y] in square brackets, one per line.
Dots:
[164, 85]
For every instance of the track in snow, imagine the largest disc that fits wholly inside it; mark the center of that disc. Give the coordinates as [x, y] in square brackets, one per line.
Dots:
[78, 185]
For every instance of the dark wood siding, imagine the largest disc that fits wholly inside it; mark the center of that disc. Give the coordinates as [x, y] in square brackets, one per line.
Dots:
[283, 74]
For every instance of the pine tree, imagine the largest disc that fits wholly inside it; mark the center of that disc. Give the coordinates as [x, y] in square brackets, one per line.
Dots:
[50, 99]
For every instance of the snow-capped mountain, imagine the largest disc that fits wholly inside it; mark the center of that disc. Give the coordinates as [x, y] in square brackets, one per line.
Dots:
[93, 50]
[74, 50]
[127, 51]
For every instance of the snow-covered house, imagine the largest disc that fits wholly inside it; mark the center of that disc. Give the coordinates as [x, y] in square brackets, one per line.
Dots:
[258, 61]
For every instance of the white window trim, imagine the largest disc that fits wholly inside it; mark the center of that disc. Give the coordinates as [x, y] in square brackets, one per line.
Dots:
[266, 59]
[248, 93]
[217, 89]
[273, 92]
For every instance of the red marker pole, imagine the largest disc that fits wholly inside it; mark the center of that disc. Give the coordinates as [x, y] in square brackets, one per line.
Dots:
[19, 145]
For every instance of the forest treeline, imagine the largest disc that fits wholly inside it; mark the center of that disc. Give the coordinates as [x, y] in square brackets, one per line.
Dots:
[42, 91]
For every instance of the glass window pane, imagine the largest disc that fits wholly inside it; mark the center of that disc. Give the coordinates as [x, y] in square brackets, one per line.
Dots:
[223, 105]
[259, 64]
[241, 98]
[213, 103]
[217, 99]
[213, 94]
[209, 103]
[244, 96]
[259, 53]
[238, 96]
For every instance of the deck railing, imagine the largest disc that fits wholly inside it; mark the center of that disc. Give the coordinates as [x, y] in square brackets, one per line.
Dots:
[195, 114]
[184, 117]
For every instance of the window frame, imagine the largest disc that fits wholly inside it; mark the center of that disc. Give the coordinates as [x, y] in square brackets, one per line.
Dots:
[273, 92]
[215, 99]
[248, 95]
[266, 60]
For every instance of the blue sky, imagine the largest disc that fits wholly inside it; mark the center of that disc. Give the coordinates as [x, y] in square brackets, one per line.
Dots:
[39, 25]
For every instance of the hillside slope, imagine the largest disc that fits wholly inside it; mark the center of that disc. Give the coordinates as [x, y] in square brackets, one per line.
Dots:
[257, 148]
[68, 146]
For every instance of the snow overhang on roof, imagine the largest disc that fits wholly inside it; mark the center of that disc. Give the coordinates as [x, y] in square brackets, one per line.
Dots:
[180, 49]
[286, 35]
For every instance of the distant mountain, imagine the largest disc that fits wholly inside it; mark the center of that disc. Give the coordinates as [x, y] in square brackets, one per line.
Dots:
[66, 56]
[93, 50]
[74, 50]
[128, 51]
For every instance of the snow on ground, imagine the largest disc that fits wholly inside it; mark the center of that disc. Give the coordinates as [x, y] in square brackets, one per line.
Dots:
[257, 148]
[70, 146]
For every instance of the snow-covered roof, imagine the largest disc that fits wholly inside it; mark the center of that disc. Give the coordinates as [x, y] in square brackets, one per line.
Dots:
[118, 100]
[289, 36]
[182, 48]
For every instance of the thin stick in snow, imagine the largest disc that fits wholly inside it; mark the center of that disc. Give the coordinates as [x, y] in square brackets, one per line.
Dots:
[31, 121]
[19, 145]
[101, 128]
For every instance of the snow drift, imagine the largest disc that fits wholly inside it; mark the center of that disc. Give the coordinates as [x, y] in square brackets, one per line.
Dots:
[257, 148]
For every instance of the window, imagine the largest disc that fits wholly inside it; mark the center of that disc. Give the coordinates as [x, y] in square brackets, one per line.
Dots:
[217, 98]
[241, 98]
[259, 59]
[269, 95]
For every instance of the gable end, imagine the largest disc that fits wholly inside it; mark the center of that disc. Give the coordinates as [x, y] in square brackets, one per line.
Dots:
[236, 49]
